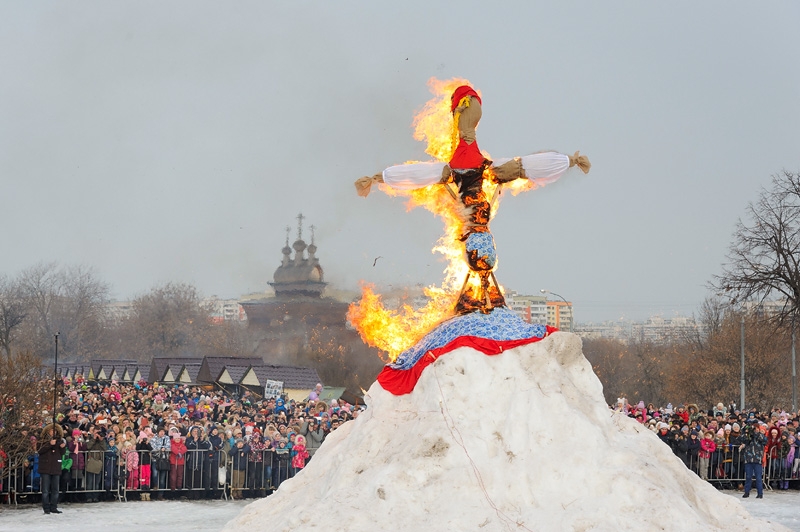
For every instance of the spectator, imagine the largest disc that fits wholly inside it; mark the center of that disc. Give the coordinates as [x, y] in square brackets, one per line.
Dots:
[96, 448]
[239, 462]
[177, 462]
[753, 443]
[311, 429]
[144, 450]
[77, 452]
[707, 447]
[299, 454]
[50, 452]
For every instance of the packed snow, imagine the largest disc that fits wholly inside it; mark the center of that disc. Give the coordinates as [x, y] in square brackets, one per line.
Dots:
[518, 441]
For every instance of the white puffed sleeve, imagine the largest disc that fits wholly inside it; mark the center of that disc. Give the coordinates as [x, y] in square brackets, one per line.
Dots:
[414, 175]
[542, 168]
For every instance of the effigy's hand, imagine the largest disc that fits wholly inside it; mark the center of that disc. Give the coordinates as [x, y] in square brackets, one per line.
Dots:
[581, 161]
[364, 184]
[447, 174]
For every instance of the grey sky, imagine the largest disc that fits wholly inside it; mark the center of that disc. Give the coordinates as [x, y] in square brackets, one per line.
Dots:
[161, 141]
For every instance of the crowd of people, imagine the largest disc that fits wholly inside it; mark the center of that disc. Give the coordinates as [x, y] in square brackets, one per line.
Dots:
[120, 440]
[727, 446]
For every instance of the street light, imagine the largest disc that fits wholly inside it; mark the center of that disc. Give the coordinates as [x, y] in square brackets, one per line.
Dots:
[569, 305]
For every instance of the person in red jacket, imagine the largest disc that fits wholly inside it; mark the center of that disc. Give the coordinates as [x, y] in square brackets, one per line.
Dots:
[707, 447]
[177, 462]
[50, 452]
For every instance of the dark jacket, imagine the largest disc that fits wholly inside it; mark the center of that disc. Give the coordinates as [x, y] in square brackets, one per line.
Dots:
[754, 442]
[50, 455]
[239, 457]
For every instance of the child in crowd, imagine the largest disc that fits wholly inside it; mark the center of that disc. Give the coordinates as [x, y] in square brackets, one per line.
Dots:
[239, 472]
[299, 453]
[707, 446]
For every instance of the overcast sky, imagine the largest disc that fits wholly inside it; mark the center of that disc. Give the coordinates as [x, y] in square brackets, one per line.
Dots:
[174, 141]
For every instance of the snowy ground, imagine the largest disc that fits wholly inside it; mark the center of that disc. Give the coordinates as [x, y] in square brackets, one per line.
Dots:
[175, 516]
[209, 516]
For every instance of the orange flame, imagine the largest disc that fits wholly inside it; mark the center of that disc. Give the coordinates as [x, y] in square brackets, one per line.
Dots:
[394, 331]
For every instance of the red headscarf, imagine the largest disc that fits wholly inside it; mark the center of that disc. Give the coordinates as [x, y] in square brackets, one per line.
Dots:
[459, 93]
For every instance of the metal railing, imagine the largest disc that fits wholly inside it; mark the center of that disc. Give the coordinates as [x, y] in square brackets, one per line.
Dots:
[212, 474]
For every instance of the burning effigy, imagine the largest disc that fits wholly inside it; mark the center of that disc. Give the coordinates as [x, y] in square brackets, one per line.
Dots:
[463, 186]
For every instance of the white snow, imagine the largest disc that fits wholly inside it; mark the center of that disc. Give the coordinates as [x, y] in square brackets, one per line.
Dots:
[153, 516]
[517, 441]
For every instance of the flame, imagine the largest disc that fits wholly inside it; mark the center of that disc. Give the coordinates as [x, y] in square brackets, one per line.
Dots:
[394, 331]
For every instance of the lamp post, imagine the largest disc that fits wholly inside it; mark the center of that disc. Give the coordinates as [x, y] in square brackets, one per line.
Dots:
[741, 383]
[55, 384]
[571, 319]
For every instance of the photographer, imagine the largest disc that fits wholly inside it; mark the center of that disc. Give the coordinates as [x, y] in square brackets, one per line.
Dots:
[311, 429]
[50, 453]
[753, 442]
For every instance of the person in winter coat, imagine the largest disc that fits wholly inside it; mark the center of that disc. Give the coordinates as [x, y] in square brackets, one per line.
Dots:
[239, 455]
[211, 463]
[160, 443]
[77, 451]
[131, 460]
[299, 454]
[282, 464]
[680, 445]
[736, 465]
[111, 464]
[311, 429]
[177, 462]
[196, 445]
[753, 443]
[664, 434]
[789, 460]
[255, 466]
[707, 447]
[51, 450]
[66, 473]
[692, 451]
[145, 463]
[774, 463]
[96, 448]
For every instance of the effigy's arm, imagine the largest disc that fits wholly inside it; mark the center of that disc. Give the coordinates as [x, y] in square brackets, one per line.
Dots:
[541, 168]
[405, 177]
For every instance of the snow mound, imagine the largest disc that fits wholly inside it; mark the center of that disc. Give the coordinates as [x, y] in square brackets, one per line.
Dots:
[518, 441]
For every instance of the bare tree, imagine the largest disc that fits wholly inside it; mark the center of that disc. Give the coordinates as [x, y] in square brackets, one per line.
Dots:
[168, 320]
[67, 300]
[26, 395]
[763, 259]
[12, 312]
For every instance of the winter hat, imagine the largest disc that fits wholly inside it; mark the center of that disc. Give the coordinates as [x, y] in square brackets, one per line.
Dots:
[728, 427]
[76, 432]
[736, 427]
[721, 433]
[239, 440]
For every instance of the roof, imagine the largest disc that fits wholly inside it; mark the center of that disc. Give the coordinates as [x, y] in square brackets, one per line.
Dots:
[106, 363]
[193, 370]
[291, 376]
[159, 365]
[237, 372]
[212, 367]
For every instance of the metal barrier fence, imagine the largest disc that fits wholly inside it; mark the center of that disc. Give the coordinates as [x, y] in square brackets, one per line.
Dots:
[211, 474]
[217, 475]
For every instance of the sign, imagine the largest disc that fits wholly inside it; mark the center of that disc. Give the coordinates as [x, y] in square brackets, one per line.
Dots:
[273, 389]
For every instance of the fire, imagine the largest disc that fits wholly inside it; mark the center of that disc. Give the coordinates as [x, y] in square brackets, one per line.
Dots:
[395, 331]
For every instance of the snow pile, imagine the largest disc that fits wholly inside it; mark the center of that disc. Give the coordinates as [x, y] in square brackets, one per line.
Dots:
[518, 441]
